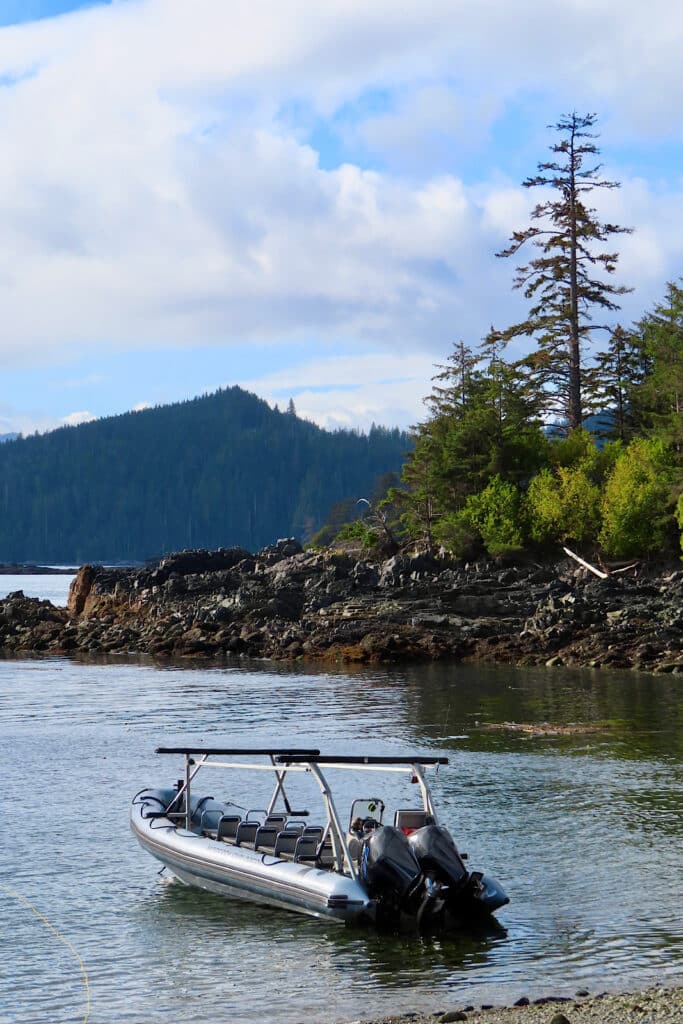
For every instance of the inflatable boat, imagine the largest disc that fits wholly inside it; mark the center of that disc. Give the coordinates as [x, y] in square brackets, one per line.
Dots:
[403, 872]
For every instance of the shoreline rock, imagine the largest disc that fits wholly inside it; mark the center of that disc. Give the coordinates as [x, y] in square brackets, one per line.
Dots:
[284, 603]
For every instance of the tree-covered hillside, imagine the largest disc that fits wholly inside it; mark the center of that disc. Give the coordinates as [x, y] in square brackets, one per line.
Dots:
[219, 470]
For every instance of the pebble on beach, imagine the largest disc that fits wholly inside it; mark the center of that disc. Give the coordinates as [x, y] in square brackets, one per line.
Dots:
[651, 1006]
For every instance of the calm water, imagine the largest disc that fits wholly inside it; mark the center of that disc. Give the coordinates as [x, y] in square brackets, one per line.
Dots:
[584, 832]
[49, 588]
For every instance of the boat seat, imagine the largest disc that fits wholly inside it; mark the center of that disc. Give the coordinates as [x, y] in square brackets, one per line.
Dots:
[276, 821]
[313, 830]
[409, 821]
[227, 826]
[286, 841]
[210, 817]
[257, 814]
[306, 848]
[311, 837]
[266, 837]
[246, 832]
[325, 854]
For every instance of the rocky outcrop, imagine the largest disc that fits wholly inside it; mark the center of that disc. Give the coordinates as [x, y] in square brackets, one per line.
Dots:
[286, 603]
[28, 624]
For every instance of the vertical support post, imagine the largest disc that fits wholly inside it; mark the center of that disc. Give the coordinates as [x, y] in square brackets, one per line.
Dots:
[341, 850]
[188, 778]
[426, 795]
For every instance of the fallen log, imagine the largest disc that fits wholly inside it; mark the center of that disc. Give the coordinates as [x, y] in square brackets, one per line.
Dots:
[577, 558]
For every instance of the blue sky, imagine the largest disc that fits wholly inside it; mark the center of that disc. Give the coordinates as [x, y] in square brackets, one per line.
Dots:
[18, 12]
[303, 199]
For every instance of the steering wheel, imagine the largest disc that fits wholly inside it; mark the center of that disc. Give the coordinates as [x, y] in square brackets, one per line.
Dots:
[369, 824]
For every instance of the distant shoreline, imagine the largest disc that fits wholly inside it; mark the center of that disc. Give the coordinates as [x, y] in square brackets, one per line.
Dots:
[37, 570]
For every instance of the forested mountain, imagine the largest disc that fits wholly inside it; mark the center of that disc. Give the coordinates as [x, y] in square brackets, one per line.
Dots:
[219, 470]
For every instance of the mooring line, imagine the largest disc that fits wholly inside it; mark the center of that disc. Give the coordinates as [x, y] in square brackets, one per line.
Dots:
[41, 917]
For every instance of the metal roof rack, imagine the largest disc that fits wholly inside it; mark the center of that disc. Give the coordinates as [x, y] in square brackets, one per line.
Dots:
[362, 759]
[291, 752]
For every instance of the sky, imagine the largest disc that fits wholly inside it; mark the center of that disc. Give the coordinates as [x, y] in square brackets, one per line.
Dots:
[304, 199]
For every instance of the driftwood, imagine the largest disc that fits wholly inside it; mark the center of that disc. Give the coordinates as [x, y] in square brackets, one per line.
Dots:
[597, 572]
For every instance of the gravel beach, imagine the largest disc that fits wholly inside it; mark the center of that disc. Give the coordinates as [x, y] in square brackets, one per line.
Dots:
[660, 1005]
[663, 1005]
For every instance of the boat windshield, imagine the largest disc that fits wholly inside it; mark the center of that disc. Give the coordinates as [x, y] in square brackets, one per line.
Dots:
[372, 808]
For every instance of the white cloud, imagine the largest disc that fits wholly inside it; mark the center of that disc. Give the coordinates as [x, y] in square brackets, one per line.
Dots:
[86, 381]
[150, 192]
[13, 420]
[16, 421]
[353, 390]
[74, 418]
[428, 126]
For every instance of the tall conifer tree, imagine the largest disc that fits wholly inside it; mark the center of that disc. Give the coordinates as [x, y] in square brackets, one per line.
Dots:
[566, 281]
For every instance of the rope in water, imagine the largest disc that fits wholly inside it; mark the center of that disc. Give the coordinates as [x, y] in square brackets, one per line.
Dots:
[41, 917]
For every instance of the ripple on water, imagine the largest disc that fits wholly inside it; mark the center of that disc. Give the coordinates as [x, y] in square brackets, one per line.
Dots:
[585, 836]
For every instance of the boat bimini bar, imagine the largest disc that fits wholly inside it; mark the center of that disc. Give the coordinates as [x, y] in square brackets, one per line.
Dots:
[410, 871]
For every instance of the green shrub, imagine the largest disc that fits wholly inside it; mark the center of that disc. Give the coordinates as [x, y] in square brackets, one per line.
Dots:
[495, 514]
[358, 531]
[563, 506]
[577, 448]
[679, 516]
[636, 503]
[324, 537]
[455, 533]
[543, 508]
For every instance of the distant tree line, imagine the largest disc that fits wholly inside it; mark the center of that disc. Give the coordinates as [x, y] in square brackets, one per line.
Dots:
[487, 472]
[223, 469]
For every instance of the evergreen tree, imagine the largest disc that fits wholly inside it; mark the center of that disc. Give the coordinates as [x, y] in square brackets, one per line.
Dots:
[565, 282]
[418, 501]
[660, 396]
[484, 424]
[613, 380]
[456, 379]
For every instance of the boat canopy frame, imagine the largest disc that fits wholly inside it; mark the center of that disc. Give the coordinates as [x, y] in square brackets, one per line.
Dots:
[309, 761]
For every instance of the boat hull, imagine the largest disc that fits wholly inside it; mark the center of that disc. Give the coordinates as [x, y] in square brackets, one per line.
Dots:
[240, 873]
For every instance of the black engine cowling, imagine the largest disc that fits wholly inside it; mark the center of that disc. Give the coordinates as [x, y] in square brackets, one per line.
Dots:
[423, 877]
[467, 893]
[438, 857]
[389, 868]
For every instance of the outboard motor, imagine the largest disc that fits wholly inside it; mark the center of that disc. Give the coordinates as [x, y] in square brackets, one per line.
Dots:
[390, 870]
[467, 893]
[438, 856]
